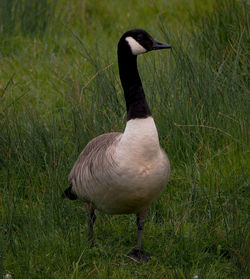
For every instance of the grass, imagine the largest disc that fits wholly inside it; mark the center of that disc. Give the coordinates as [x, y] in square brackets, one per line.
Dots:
[59, 87]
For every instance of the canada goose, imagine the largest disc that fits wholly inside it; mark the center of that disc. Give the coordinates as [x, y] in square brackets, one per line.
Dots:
[121, 173]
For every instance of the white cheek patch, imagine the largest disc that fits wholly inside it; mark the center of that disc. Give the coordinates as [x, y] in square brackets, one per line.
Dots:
[135, 47]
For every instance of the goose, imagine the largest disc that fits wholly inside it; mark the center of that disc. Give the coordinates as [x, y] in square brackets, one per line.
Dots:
[123, 173]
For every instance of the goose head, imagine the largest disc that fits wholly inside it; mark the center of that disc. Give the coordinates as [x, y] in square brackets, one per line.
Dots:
[138, 41]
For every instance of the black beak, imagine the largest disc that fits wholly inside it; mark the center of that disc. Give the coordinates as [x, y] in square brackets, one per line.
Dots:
[159, 45]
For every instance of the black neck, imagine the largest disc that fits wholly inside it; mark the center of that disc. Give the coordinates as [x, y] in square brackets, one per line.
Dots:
[136, 103]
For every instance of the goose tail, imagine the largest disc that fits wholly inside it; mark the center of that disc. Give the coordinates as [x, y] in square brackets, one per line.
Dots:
[69, 194]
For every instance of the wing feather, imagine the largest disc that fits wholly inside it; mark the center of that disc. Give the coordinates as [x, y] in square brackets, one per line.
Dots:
[93, 164]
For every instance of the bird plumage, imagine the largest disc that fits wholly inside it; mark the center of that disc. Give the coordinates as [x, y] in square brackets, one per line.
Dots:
[121, 173]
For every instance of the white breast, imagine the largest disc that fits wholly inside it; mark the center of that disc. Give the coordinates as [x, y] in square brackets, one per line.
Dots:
[142, 168]
[139, 142]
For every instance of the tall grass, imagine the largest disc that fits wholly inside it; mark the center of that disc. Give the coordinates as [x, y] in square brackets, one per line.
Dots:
[26, 17]
[198, 93]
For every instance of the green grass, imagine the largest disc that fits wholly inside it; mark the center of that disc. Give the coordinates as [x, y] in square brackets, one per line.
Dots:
[59, 88]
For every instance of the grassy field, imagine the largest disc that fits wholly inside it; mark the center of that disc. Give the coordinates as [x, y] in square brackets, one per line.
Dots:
[59, 87]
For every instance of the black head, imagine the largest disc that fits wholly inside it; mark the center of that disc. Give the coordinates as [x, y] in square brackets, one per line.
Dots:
[138, 41]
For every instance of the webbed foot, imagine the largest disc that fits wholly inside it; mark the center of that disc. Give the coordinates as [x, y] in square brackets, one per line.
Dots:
[138, 255]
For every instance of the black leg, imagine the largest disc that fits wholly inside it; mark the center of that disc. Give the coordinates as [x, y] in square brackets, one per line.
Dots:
[91, 221]
[137, 253]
